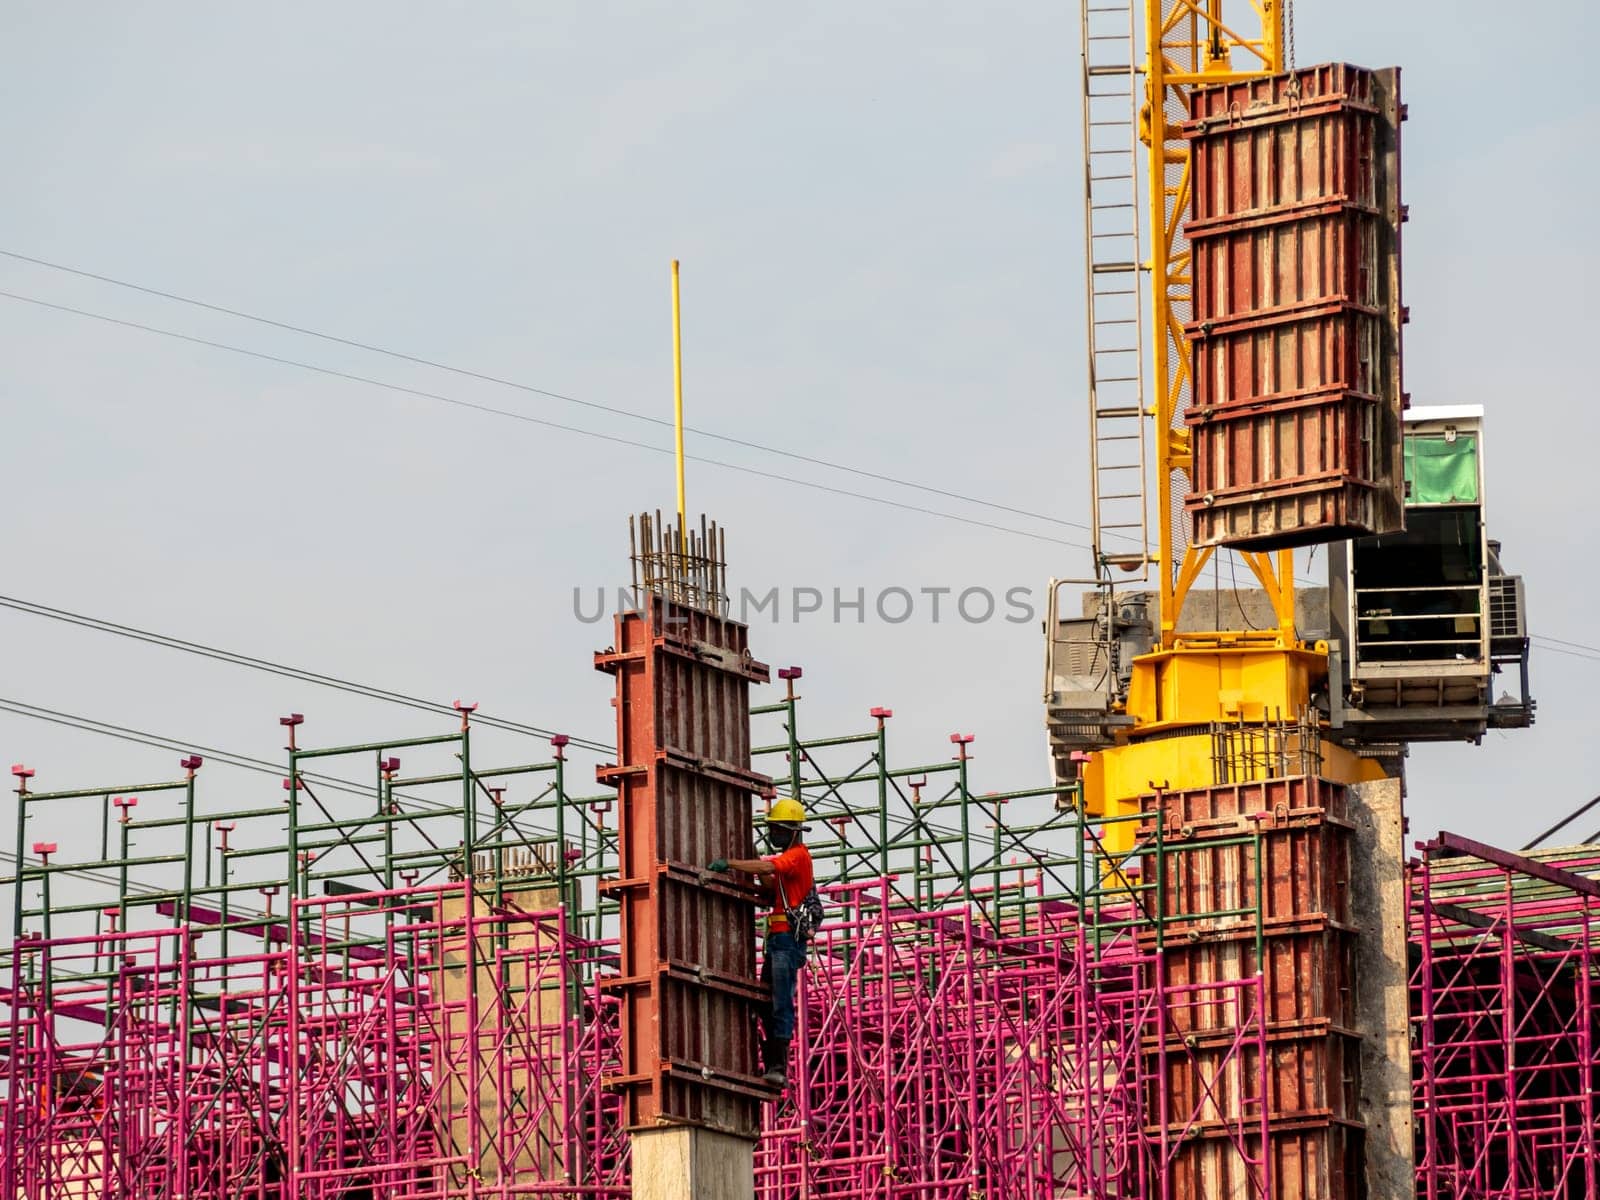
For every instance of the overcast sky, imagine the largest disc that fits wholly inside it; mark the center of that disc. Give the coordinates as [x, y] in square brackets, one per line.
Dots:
[878, 209]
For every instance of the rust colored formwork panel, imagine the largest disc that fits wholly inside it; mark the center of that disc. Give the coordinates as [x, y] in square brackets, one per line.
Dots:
[1305, 869]
[1310, 1159]
[1308, 966]
[688, 982]
[1221, 804]
[1311, 468]
[1295, 215]
[1308, 1075]
[1211, 857]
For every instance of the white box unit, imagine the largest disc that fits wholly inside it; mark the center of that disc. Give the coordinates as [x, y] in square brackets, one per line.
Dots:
[1508, 626]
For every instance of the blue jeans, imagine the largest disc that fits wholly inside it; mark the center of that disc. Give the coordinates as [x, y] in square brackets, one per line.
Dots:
[780, 970]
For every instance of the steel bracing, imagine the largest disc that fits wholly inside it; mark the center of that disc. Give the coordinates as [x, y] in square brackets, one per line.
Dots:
[400, 989]
[1504, 1022]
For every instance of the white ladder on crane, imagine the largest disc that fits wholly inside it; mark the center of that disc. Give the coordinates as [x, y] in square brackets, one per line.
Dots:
[1113, 166]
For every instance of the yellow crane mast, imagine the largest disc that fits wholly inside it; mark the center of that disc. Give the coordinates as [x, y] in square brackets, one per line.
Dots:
[1141, 60]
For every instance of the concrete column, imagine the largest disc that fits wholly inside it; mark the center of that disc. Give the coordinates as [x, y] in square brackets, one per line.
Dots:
[1377, 880]
[686, 1162]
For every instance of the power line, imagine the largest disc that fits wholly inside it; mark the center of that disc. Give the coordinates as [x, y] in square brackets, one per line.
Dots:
[1564, 822]
[367, 690]
[1543, 637]
[243, 762]
[104, 878]
[1578, 654]
[1558, 646]
[500, 381]
[1572, 650]
[417, 805]
[528, 419]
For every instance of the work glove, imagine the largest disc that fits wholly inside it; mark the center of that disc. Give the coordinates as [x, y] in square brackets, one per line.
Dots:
[717, 864]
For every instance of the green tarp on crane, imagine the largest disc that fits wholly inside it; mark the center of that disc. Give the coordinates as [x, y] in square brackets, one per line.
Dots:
[1442, 470]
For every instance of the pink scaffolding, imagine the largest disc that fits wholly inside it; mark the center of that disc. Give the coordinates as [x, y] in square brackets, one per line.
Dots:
[991, 1015]
[1504, 1021]
[420, 1044]
[447, 1056]
[946, 1056]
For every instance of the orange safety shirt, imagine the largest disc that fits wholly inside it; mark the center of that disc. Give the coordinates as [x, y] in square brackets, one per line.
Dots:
[792, 881]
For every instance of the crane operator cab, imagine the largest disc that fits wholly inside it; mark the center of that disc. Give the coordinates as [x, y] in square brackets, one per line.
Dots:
[1429, 635]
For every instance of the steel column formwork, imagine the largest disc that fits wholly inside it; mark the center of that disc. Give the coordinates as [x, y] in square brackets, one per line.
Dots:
[688, 983]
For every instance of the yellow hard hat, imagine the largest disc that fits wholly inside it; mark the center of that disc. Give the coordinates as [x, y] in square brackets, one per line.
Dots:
[786, 811]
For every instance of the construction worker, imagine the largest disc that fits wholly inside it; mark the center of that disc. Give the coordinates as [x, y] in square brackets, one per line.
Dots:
[789, 871]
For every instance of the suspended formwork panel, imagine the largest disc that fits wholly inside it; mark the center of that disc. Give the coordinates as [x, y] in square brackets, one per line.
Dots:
[1294, 231]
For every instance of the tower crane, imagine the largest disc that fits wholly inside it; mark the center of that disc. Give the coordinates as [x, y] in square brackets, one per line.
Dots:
[1137, 696]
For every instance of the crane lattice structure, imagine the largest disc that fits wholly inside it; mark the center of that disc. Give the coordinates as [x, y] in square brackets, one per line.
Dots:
[1149, 708]
[1140, 60]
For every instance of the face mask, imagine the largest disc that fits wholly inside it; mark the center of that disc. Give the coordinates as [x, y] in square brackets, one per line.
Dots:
[779, 838]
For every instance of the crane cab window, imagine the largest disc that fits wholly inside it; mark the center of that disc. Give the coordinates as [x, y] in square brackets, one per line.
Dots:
[1418, 594]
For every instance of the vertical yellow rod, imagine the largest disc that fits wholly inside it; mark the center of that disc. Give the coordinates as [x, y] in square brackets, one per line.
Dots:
[1189, 37]
[1167, 602]
[677, 408]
